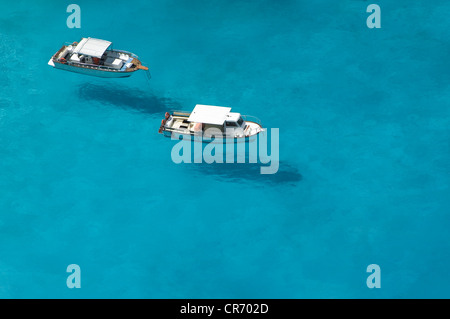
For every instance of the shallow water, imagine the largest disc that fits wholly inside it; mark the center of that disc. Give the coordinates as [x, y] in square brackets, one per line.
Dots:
[364, 152]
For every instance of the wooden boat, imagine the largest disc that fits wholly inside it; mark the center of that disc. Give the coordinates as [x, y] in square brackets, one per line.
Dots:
[96, 57]
[199, 123]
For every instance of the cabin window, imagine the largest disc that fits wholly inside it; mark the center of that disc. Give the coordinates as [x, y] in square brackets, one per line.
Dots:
[240, 121]
[231, 124]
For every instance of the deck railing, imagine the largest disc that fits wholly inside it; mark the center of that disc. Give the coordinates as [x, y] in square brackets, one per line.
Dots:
[180, 113]
[127, 52]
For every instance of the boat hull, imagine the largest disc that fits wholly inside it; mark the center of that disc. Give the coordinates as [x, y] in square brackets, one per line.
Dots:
[200, 138]
[91, 71]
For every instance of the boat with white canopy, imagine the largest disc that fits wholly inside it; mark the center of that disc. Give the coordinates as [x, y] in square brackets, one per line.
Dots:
[207, 121]
[96, 57]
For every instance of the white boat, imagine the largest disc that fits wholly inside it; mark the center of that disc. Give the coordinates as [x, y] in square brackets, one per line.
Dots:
[96, 57]
[199, 123]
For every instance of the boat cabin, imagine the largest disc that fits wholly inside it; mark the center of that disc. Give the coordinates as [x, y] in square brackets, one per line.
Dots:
[205, 117]
[95, 51]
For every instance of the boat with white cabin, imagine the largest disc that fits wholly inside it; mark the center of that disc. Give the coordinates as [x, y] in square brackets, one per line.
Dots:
[207, 122]
[96, 57]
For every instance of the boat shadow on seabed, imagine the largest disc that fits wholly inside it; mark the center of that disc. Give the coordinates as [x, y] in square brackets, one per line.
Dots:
[127, 98]
[234, 172]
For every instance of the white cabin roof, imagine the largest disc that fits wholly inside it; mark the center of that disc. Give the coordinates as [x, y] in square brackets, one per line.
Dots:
[209, 114]
[92, 47]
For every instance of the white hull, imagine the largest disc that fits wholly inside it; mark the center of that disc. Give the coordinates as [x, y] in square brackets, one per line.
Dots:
[199, 138]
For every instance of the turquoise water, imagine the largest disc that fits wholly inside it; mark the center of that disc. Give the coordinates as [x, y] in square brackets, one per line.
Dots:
[364, 152]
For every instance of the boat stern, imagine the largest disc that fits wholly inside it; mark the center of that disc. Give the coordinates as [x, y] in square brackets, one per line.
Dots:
[163, 123]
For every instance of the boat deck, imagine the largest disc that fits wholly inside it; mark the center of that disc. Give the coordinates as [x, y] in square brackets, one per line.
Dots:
[108, 62]
[181, 123]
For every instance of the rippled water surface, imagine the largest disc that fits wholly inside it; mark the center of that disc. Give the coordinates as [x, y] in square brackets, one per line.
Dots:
[364, 152]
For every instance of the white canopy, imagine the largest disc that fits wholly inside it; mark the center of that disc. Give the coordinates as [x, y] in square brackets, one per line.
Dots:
[209, 114]
[92, 47]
